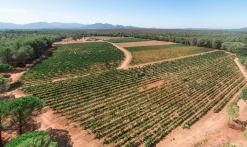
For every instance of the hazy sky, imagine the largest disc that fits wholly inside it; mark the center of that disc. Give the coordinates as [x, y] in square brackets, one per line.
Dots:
[141, 13]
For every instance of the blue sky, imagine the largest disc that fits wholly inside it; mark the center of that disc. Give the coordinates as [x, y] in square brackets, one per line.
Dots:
[141, 13]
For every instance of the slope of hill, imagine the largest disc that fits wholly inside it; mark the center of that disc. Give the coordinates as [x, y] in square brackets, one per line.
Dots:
[105, 26]
[59, 25]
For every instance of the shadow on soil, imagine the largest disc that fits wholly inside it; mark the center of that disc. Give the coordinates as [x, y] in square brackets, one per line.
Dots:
[60, 136]
[238, 125]
[14, 86]
[12, 129]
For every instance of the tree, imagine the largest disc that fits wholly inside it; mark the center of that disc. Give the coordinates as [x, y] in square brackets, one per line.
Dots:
[216, 44]
[234, 47]
[6, 55]
[24, 108]
[4, 84]
[3, 116]
[32, 139]
[232, 111]
[24, 53]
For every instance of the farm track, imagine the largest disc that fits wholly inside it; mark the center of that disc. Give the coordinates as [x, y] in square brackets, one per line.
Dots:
[127, 59]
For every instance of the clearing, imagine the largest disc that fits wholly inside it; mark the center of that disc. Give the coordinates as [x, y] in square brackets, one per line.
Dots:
[126, 39]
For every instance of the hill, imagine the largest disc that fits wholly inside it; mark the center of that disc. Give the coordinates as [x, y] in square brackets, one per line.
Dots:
[59, 25]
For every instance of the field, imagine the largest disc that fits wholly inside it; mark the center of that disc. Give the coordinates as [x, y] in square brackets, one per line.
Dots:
[124, 108]
[74, 60]
[143, 54]
[128, 39]
[144, 43]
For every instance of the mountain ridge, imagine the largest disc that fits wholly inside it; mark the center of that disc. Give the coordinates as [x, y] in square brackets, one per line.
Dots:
[59, 25]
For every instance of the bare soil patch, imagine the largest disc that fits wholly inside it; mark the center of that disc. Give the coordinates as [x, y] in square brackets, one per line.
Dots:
[151, 85]
[105, 37]
[79, 137]
[70, 41]
[143, 43]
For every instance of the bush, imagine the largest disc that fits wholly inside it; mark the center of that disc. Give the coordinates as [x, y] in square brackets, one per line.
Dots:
[243, 94]
[32, 139]
[4, 84]
[245, 134]
[5, 68]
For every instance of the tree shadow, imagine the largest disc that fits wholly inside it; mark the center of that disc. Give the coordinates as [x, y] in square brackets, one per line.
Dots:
[238, 125]
[60, 136]
[31, 125]
[6, 75]
[28, 126]
[14, 86]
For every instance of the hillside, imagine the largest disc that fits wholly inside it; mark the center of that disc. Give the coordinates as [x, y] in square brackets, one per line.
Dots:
[59, 25]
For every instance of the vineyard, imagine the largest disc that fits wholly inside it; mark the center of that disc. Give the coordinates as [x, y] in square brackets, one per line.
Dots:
[118, 105]
[74, 60]
[128, 39]
[143, 54]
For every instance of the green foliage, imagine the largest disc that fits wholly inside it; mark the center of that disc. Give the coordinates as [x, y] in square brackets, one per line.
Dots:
[19, 49]
[5, 68]
[245, 134]
[216, 44]
[32, 139]
[24, 108]
[121, 40]
[4, 84]
[234, 47]
[232, 111]
[229, 145]
[243, 94]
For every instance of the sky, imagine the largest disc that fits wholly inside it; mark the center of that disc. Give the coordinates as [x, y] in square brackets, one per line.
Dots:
[225, 14]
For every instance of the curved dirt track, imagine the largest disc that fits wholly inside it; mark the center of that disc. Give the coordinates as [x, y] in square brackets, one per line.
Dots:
[127, 59]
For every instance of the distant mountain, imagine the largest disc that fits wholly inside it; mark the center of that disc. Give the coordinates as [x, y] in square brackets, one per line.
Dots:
[105, 26]
[243, 28]
[59, 25]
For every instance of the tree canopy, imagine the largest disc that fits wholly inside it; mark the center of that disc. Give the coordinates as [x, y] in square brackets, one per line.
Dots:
[5, 68]
[19, 111]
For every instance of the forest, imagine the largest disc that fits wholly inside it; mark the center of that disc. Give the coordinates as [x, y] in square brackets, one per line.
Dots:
[19, 47]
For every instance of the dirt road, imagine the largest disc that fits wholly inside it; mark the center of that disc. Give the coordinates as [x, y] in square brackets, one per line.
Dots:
[241, 68]
[127, 59]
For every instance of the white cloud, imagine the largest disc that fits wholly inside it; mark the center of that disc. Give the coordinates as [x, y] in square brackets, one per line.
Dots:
[109, 15]
[13, 10]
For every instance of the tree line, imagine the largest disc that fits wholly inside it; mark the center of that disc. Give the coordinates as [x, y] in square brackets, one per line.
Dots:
[19, 49]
